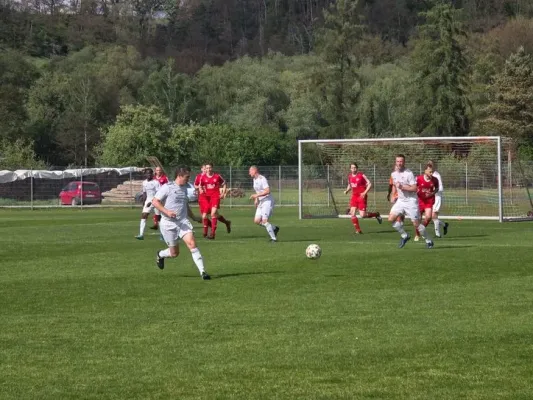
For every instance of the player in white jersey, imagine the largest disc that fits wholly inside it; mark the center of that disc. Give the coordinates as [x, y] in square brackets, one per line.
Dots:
[438, 204]
[264, 203]
[407, 202]
[172, 200]
[150, 187]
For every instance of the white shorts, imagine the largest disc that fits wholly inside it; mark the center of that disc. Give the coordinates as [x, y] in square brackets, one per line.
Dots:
[147, 209]
[438, 202]
[264, 209]
[408, 208]
[172, 230]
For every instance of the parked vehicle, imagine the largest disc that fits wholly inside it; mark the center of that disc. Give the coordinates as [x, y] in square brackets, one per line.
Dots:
[76, 191]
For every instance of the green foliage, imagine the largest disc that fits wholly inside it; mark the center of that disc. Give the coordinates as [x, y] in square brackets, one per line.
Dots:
[510, 111]
[18, 154]
[139, 131]
[16, 78]
[171, 92]
[336, 41]
[228, 145]
[441, 74]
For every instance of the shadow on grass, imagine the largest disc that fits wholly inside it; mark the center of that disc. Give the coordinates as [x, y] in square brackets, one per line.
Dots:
[237, 274]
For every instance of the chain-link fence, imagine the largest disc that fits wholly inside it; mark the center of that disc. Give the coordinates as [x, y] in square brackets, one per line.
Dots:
[121, 186]
[321, 185]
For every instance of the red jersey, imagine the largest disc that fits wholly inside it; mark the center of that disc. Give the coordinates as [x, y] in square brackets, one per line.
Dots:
[212, 184]
[162, 179]
[358, 183]
[426, 188]
[198, 179]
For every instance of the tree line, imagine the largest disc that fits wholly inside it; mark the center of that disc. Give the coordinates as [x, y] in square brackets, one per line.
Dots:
[110, 93]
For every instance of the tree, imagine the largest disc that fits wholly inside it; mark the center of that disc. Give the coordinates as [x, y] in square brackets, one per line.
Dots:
[441, 74]
[171, 92]
[19, 154]
[138, 132]
[335, 43]
[510, 110]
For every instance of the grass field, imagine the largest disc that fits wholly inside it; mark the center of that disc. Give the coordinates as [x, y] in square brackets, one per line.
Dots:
[85, 313]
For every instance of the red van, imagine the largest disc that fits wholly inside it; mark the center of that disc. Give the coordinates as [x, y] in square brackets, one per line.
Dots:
[75, 192]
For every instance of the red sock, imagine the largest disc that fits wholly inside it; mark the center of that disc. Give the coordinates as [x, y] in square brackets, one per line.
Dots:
[214, 221]
[155, 219]
[371, 215]
[417, 233]
[355, 223]
[426, 222]
[222, 219]
[205, 222]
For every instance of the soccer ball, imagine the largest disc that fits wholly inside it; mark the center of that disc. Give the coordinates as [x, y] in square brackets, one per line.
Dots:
[313, 251]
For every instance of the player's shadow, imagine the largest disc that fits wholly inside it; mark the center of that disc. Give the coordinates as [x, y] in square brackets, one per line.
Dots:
[459, 237]
[449, 246]
[237, 274]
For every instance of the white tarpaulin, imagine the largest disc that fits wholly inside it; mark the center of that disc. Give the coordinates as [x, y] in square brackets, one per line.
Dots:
[21, 174]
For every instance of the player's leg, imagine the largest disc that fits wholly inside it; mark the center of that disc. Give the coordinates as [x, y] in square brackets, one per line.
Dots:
[355, 220]
[169, 231]
[267, 207]
[396, 211]
[422, 207]
[187, 236]
[436, 221]
[214, 205]
[147, 209]
[203, 203]
[156, 219]
[366, 214]
[414, 215]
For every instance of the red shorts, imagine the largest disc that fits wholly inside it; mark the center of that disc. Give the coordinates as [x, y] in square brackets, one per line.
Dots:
[358, 202]
[203, 204]
[426, 203]
[212, 202]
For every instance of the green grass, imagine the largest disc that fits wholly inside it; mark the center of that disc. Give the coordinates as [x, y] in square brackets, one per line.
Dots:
[85, 313]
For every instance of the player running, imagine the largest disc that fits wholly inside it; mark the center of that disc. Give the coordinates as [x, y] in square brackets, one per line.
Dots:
[264, 203]
[150, 187]
[360, 185]
[203, 205]
[407, 203]
[438, 204]
[214, 188]
[427, 186]
[172, 200]
[162, 178]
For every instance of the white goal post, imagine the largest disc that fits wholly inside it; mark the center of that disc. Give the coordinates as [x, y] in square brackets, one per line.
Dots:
[482, 177]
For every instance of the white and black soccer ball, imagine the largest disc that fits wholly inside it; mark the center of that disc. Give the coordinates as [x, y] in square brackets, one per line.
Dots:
[313, 251]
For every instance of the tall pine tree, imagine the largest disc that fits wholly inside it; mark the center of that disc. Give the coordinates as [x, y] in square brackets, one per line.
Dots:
[510, 111]
[441, 75]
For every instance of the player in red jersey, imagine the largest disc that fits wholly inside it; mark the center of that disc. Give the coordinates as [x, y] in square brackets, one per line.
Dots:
[359, 184]
[162, 178]
[203, 205]
[214, 188]
[427, 186]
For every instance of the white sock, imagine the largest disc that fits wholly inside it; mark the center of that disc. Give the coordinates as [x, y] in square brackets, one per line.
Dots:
[399, 227]
[198, 260]
[424, 232]
[143, 225]
[164, 253]
[436, 221]
[270, 230]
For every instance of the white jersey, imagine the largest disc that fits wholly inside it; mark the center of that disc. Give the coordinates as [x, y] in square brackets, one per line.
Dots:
[439, 178]
[260, 184]
[150, 188]
[405, 177]
[174, 197]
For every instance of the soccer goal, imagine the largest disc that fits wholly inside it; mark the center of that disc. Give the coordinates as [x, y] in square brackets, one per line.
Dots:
[481, 177]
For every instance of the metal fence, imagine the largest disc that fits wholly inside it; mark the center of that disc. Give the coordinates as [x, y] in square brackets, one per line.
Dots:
[121, 189]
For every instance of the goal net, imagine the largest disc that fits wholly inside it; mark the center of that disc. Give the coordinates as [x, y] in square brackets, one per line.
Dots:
[481, 177]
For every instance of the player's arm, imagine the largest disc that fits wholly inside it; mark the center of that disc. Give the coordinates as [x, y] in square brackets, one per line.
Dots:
[157, 202]
[191, 215]
[389, 190]
[223, 188]
[368, 186]
[408, 187]
[264, 192]
[347, 188]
